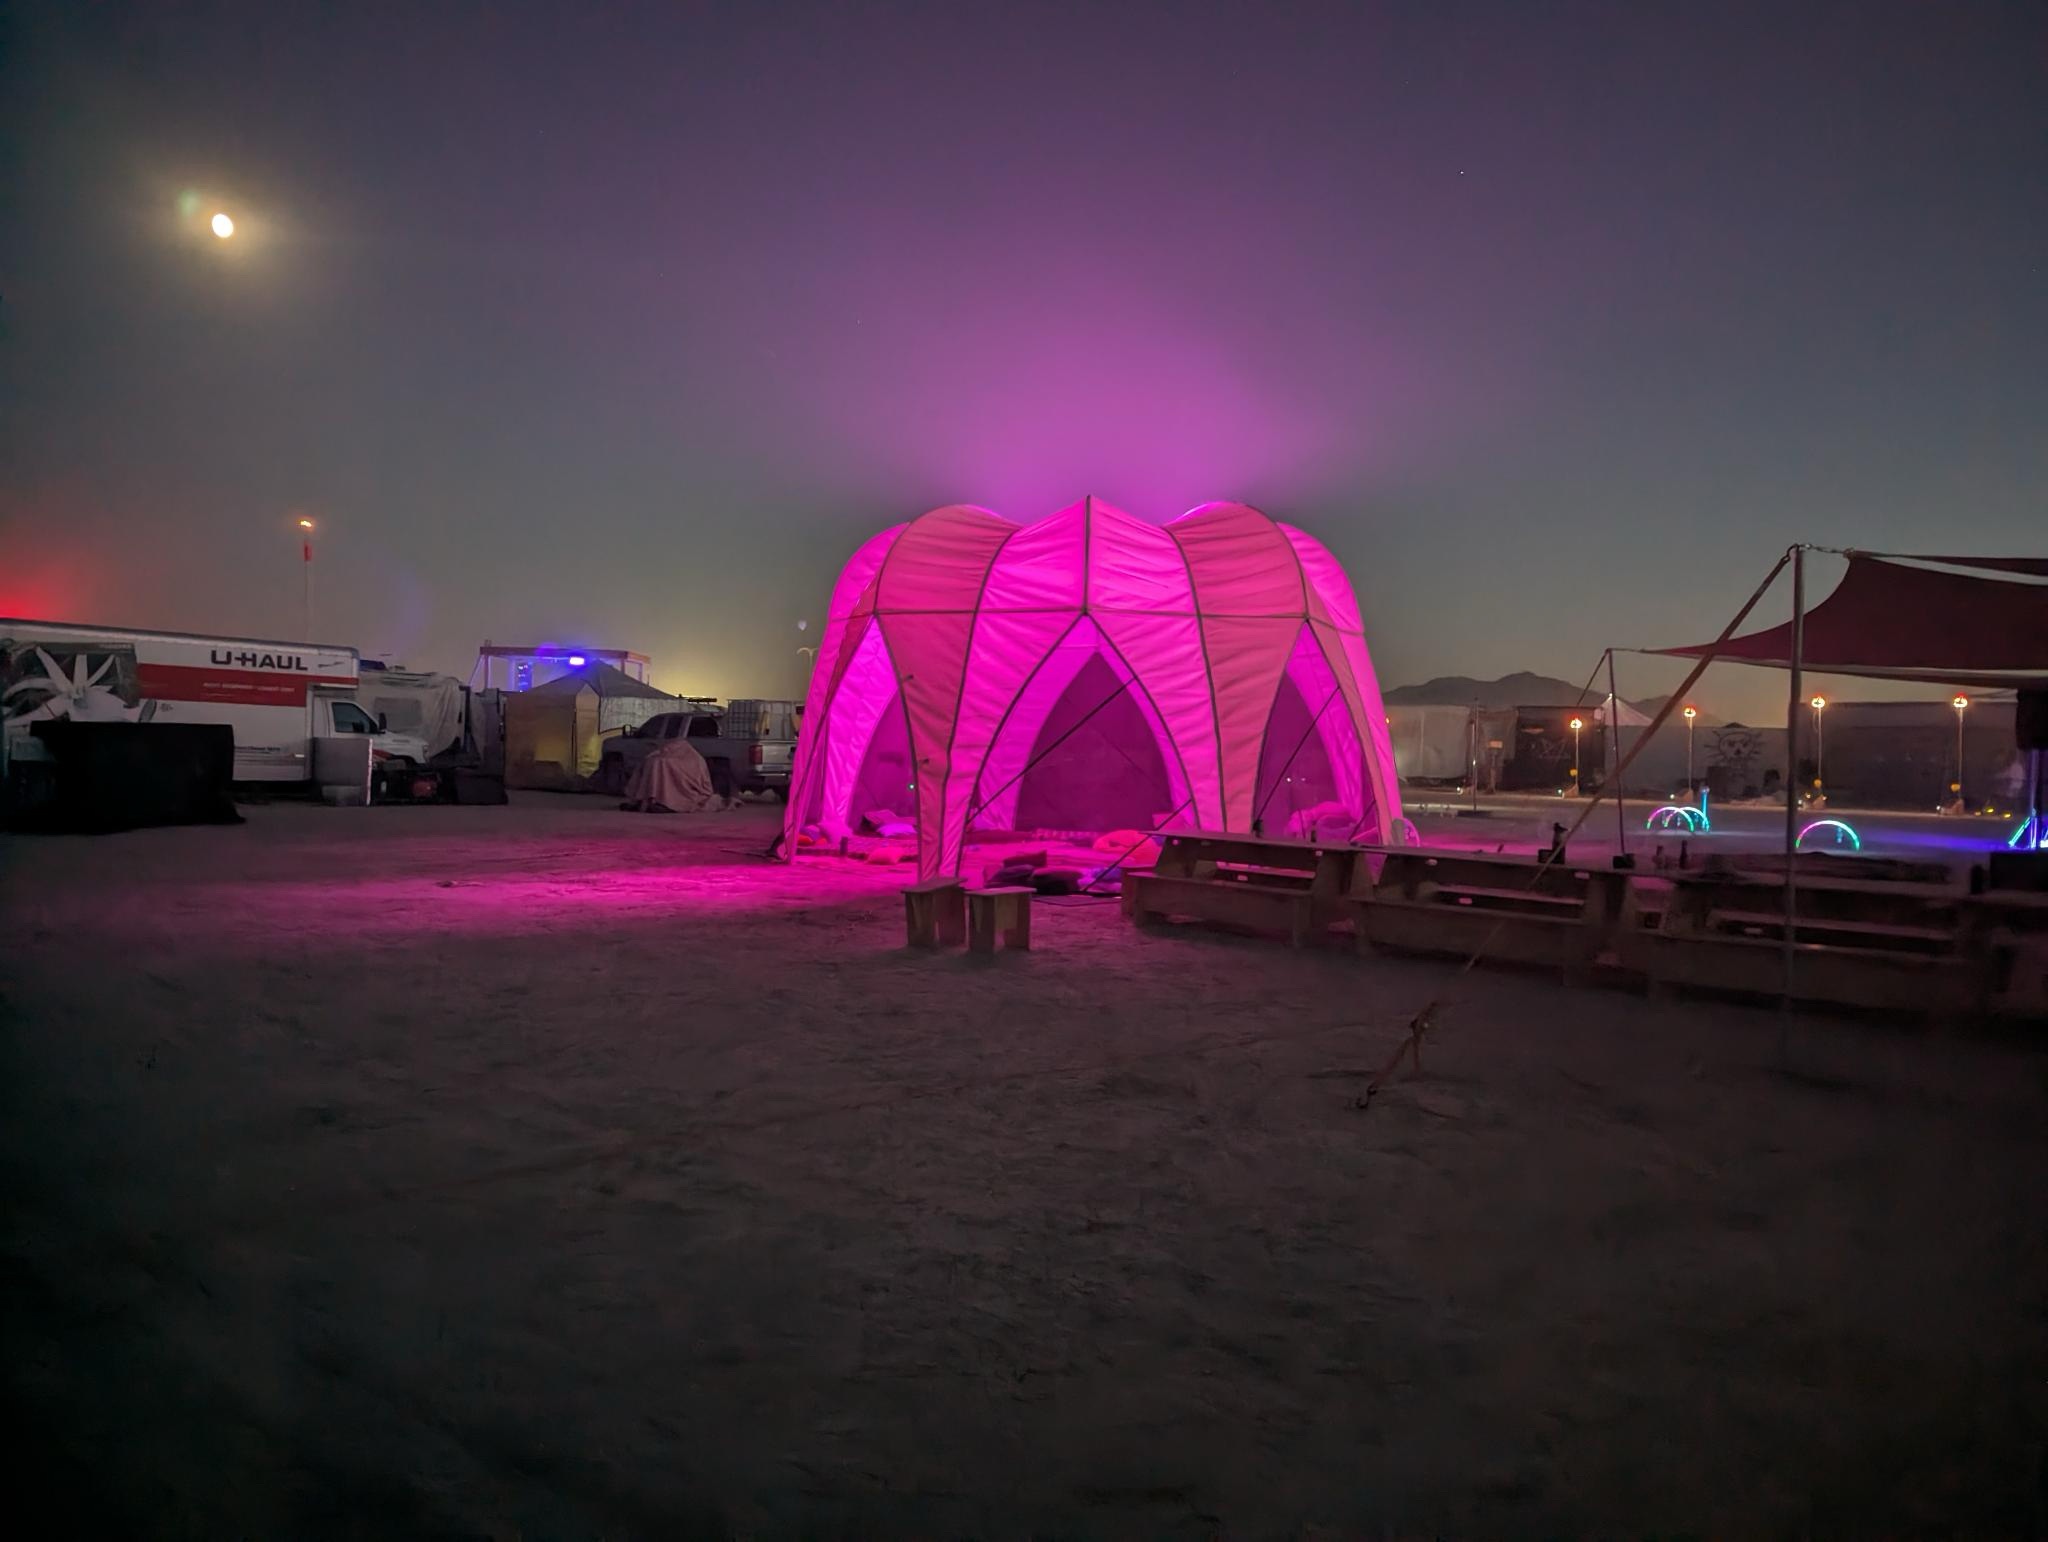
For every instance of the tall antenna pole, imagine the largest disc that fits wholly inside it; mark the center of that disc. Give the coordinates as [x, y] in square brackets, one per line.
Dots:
[306, 567]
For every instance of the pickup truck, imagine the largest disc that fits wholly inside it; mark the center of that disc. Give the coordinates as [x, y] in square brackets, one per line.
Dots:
[738, 761]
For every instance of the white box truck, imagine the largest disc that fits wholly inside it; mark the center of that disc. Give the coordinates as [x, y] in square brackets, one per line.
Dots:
[278, 698]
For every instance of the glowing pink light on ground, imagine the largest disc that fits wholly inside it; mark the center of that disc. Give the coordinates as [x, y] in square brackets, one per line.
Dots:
[977, 626]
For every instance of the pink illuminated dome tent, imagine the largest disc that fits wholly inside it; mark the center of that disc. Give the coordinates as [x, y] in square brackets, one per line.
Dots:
[1199, 674]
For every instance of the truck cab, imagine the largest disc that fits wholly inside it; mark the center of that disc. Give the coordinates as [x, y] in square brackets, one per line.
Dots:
[393, 756]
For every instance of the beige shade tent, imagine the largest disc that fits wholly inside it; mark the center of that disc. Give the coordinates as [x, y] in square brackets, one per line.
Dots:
[555, 733]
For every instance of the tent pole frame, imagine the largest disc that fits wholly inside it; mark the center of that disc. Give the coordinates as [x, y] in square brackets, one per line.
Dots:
[1793, 712]
[1614, 737]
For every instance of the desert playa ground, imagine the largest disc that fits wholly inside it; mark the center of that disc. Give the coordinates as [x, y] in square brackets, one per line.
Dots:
[549, 1171]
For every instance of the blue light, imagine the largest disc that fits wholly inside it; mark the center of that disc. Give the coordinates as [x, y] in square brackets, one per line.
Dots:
[577, 661]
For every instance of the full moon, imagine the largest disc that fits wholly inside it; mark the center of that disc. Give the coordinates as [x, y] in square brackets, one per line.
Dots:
[223, 226]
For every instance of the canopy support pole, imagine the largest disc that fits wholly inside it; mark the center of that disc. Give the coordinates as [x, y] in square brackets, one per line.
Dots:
[1614, 734]
[1793, 713]
[2030, 836]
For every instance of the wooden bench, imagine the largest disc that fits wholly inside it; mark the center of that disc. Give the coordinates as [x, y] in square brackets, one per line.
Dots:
[1385, 871]
[1562, 942]
[1527, 900]
[1805, 928]
[935, 913]
[1263, 907]
[1859, 902]
[993, 911]
[1938, 985]
[2008, 929]
[1296, 887]
[1515, 910]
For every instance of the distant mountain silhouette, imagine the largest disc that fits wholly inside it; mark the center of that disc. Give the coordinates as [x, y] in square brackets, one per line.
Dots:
[1516, 690]
[1654, 704]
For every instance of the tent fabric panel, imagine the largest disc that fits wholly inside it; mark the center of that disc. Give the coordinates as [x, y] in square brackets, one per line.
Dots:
[940, 561]
[1329, 592]
[1331, 717]
[1164, 653]
[844, 732]
[1169, 753]
[1247, 655]
[993, 805]
[1924, 624]
[1039, 567]
[1382, 780]
[822, 704]
[1242, 564]
[1134, 566]
[931, 652]
[1007, 648]
[1003, 768]
[827, 667]
[853, 592]
[2038, 566]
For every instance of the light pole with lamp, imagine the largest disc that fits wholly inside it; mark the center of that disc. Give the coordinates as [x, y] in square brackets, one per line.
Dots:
[306, 563]
[1691, 712]
[1577, 724]
[1819, 705]
[1962, 704]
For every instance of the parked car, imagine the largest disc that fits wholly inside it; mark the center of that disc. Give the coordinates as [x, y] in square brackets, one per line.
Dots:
[739, 755]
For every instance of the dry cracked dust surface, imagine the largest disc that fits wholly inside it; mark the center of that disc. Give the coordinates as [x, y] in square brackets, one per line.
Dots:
[547, 1171]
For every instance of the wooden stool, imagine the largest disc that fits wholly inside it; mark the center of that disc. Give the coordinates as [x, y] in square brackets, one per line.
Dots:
[934, 914]
[998, 910]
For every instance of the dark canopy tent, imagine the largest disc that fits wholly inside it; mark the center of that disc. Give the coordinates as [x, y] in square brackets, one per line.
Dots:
[1893, 621]
[1894, 616]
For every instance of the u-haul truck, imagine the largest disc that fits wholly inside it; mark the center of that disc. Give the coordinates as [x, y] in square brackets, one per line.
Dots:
[277, 697]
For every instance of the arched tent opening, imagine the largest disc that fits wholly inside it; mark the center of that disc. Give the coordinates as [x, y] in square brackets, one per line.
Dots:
[1080, 715]
[1295, 776]
[1212, 634]
[1095, 763]
[887, 779]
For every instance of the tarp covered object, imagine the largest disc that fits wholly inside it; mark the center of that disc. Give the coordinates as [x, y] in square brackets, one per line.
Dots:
[978, 626]
[426, 706]
[1888, 620]
[674, 778]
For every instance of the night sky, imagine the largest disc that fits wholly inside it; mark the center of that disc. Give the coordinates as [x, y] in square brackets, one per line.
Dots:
[623, 325]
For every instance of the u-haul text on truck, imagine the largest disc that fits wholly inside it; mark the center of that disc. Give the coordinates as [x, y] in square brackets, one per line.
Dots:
[276, 697]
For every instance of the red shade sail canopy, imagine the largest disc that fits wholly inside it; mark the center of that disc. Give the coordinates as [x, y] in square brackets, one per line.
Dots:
[1889, 620]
